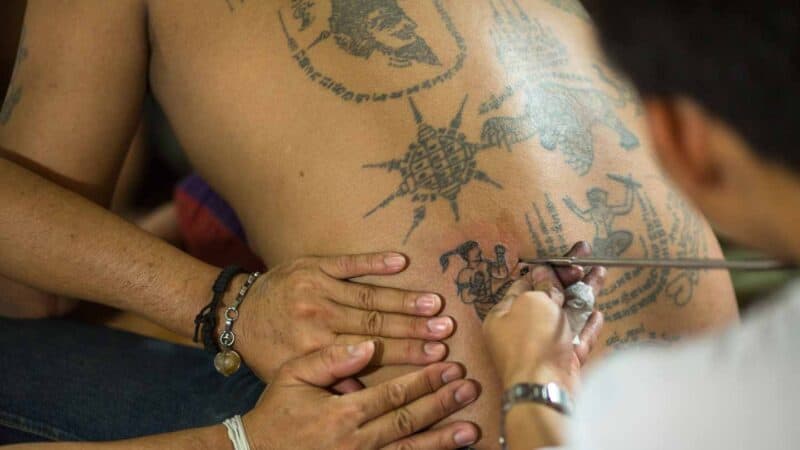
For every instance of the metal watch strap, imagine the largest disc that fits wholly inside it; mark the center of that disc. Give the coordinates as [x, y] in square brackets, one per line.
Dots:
[550, 394]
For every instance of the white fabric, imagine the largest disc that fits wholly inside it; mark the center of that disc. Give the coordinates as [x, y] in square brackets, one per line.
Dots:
[236, 433]
[737, 390]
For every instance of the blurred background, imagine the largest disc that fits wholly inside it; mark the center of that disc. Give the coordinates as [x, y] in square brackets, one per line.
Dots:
[156, 164]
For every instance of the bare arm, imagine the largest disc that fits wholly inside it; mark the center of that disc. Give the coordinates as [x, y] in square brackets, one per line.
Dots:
[72, 109]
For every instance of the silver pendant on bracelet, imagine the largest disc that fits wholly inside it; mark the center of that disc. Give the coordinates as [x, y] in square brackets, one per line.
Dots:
[228, 361]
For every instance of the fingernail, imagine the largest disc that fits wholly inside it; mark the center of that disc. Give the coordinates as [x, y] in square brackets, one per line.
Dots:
[428, 303]
[360, 349]
[433, 348]
[394, 261]
[440, 324]
[465, 437]
[453, 373]
[466, 394]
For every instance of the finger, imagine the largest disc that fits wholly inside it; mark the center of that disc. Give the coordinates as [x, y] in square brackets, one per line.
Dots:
[572, 274]
[453, 436]
[347, 386]
[422, 413]
[589, 336]
[376, 323]
[518, 288]
[596, 278]
[544, 279]
[351, 266]
[372, 298]
[378, 400]
[389, 351]
[329, 365]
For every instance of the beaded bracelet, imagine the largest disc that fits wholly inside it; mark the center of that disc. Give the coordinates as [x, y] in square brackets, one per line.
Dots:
[205, 323]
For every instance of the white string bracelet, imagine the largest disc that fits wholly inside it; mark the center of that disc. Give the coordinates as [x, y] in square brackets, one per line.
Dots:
[236, 433]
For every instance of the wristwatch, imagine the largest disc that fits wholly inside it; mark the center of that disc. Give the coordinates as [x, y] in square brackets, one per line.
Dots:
[549, 394]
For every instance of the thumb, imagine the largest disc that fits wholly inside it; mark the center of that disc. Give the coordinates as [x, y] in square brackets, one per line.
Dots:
[331, 364]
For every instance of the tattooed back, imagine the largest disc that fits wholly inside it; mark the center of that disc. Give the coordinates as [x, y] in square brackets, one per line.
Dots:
[465, 134]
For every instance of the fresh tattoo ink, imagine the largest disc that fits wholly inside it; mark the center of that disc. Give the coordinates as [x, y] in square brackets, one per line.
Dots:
[15, 89]
[375, 32]
[437, 165]
[481, 282]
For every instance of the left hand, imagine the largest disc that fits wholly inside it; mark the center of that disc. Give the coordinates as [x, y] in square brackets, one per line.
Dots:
[528, 335]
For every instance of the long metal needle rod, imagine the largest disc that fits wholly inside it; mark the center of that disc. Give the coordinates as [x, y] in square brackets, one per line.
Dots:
[747, 265]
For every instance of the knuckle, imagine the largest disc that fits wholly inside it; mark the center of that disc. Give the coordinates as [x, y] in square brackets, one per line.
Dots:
[372, 323]
[366, 297]
[395, 394]
[443, 404]
[408, 445]
[347, 264]
[352, 412]
[403, 422]
[328, 356]
[304, 309]
[411, 350]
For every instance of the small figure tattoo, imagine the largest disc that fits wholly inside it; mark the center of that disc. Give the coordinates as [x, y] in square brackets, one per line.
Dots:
[481, 282]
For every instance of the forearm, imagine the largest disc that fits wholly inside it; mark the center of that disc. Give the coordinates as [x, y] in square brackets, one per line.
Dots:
[210, 438]
[57, 241]
[531, 426]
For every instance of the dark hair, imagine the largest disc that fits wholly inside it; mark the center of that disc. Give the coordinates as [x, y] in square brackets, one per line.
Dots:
[739, 59]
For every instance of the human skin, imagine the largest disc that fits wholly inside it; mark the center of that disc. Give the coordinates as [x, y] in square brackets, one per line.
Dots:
[310, 169]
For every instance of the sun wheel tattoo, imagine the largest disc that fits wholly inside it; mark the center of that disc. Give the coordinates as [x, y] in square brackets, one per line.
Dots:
[436, 167]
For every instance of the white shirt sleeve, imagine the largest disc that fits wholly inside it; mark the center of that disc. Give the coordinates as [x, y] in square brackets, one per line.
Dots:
[734, 391]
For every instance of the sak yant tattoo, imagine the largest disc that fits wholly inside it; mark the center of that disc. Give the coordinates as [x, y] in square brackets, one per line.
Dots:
[480, 281]
[437, 165]
[608, 242]
[561, 108]
[680, 235]
[375, 34]
[14, 95]
[573, 7]
[687, 234]
[640, 337]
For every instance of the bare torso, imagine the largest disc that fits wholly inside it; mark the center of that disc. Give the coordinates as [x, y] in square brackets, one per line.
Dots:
[466, 134]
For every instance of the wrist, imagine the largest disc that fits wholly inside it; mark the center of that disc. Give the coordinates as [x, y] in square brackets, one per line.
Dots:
[538, 373]
[531, 425]
[214, 437]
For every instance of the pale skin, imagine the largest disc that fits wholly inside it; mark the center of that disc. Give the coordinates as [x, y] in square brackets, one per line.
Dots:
[289, 156]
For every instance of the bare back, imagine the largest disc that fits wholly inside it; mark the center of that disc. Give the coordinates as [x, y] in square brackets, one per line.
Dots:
[466, 134]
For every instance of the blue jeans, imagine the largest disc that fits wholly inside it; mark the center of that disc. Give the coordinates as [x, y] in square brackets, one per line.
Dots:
[65, 380]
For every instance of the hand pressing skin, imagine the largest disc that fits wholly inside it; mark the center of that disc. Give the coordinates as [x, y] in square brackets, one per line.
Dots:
[303, 306]
[530, 340]
[297, 411]
[528, 334]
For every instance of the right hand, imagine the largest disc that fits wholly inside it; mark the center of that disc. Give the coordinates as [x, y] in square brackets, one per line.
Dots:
[297, 411]
[303, 306]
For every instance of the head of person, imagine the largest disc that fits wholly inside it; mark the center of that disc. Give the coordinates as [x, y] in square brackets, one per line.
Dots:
[364, 26]
[719, 81]
[597, 197]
